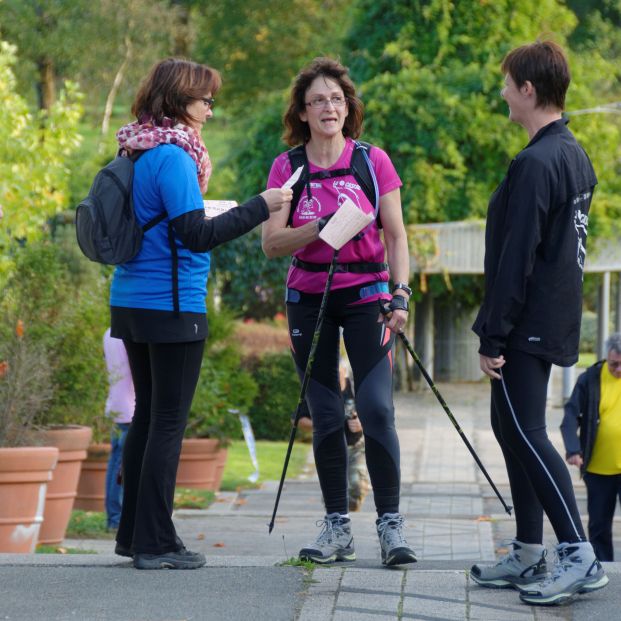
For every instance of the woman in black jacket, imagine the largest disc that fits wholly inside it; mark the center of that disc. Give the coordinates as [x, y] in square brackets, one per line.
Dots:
[530, 318]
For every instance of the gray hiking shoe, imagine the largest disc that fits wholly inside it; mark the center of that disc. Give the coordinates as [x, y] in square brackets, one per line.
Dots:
[334, 542]
[522, 567]
[576, 570]
[395, 549]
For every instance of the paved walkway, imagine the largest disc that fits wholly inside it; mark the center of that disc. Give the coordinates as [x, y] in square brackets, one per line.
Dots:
[453, 517]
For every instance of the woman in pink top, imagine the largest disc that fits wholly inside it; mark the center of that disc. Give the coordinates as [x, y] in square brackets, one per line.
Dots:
[325, 116]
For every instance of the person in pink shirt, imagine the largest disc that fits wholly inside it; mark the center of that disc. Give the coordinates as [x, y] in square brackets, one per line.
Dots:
[325, 116]
[120, 406]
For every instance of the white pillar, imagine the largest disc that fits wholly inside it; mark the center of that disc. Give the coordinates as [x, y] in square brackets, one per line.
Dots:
[618, 304]
[569, 379]
[603, 314]
[424, 333]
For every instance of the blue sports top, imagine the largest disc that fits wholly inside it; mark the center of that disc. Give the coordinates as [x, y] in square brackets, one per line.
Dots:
[165, 179]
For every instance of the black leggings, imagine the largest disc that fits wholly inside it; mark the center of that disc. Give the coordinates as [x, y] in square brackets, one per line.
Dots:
[603, 491]
[538, 475]
[368, 345]
[165, 377]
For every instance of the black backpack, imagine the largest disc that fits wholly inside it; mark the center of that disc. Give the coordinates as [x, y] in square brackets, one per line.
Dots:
[360, 167]
[105, 222]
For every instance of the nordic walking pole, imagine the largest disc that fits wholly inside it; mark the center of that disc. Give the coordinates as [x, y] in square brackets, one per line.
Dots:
[305, 382]
[385, 311]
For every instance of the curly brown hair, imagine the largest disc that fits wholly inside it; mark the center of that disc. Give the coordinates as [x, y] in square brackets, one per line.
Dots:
[170, 86]
[298, 131]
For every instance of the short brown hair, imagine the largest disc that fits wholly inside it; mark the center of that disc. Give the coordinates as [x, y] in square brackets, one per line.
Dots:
[171, 85]
[544, 64]
[296, 130]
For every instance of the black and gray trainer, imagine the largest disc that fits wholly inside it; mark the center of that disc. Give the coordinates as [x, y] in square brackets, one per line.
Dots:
[521, 567]
[334, 543]
[178, 559]
[395, 549]
[576, 570]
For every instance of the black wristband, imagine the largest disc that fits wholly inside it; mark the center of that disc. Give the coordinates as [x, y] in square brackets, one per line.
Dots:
[403, 286]
[398, 302]
[322, 222]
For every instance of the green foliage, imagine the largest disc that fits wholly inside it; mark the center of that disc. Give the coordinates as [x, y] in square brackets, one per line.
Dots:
[279, 389]
[247, 280]
[186, 498]
[259, 45]
[34, 150]
[61, 298]
[224, 389]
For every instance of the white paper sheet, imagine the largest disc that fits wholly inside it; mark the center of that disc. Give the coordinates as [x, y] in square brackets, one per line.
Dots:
[215, 208]
[347, 222]
[289, 183]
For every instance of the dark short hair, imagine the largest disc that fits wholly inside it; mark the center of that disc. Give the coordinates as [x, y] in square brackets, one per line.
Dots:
[544, 64]
[296, 130]
[171, 85]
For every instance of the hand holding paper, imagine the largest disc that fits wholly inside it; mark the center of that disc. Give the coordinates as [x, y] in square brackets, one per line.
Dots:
[345, 224]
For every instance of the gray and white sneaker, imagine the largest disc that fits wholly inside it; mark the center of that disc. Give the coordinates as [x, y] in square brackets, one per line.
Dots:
[522, 567]
[576, 570]
[395, 548]
[334, 542]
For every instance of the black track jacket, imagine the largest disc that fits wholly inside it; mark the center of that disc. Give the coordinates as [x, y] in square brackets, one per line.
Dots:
[582, 412]
[535, 247]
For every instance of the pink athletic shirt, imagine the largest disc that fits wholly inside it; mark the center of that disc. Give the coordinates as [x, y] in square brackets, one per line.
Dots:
[327, 196]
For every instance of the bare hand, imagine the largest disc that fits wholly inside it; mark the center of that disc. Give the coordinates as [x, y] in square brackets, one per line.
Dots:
[489, 365]
[277, 198]
[395, 320]
[354, 424]
[575, 460]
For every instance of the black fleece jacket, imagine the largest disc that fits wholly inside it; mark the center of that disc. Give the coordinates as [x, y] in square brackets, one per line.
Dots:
[535, 247]
[582, 413]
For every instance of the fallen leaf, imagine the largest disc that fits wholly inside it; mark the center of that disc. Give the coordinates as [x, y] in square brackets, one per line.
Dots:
[61, 550]
[219, 544]
[484, 518]
[200, 536]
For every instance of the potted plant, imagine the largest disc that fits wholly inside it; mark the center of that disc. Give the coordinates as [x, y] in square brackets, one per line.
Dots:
[63, 307]
[224, 391]
[25, 469]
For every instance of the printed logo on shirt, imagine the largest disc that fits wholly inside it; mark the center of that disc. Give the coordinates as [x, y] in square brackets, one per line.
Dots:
[296, 332]
[309, 208]
[534, 339]
[345, 190]
[581, 221]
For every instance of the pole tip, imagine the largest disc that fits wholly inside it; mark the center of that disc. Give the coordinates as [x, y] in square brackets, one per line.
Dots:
[270, 527]
[509, 509]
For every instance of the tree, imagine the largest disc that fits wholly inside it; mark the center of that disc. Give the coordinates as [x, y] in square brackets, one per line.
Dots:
[33, 160]
[259, 45]
[431, 89]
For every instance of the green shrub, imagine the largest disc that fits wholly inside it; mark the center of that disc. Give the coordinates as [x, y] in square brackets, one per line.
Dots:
[224, 389]
[279, 389]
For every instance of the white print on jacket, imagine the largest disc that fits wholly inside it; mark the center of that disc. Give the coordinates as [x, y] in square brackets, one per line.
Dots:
[581, 221]
[346, 190]
[309, 208]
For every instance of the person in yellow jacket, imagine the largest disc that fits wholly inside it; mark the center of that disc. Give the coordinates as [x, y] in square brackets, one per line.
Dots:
[591, 431]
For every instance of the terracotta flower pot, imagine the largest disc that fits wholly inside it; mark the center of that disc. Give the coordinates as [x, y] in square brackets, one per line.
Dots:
[24, 476]
[197, 465]
[72, 442]
[92, 484]
[223, 453]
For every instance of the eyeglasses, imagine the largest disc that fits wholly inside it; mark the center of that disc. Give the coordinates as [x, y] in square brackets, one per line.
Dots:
[321, 102]
[208, 101]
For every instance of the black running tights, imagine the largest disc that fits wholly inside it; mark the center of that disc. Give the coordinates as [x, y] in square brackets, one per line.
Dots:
[368, 345]
[538, 475]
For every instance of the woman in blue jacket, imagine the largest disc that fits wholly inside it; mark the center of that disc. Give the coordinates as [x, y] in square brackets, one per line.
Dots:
[158, 299]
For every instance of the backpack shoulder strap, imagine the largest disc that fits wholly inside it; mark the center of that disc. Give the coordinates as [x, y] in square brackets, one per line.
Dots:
[362, 169]
[297, 157]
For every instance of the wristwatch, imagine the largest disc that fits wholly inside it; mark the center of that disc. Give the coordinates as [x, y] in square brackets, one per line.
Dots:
[403, 286]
